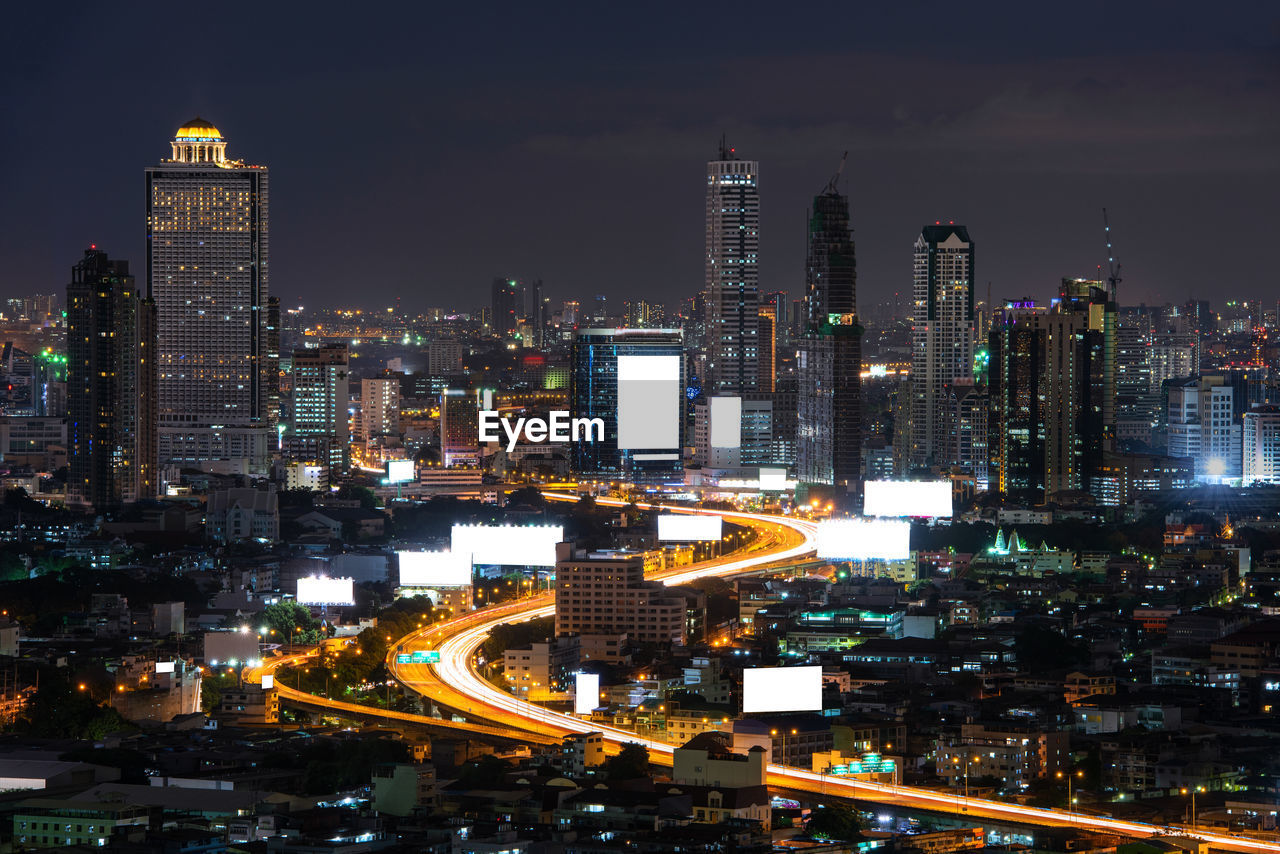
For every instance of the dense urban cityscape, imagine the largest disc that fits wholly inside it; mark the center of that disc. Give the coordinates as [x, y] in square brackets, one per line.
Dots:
[513, 566]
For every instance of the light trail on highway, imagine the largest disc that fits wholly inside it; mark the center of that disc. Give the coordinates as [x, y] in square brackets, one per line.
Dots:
[455, 682]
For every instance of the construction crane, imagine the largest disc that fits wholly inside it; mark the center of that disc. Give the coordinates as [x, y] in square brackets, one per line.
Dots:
[833, 186]
[1113, 267]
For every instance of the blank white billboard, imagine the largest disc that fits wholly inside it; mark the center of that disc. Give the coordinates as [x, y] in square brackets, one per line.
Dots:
[507, 545]
[326, 591]
[682, 528]
[864, 539]
[586, 693]
[648, 403]
[268, 681]
[225, 647]
[782, 689]
[726, 422]
[773, 480]
[164, 666]
[400, 471]
[907, 498]
[434, 569]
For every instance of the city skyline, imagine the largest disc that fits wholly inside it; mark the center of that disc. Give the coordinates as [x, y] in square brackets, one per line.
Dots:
[1015, 146]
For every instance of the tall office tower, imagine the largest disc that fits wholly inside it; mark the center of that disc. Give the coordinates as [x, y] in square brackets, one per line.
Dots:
[732, 274]
[829, 362]
[207, 269]
[507, 308]
[1044, 435]
[1095, 355]
[321, 397]
[1136, 407]
[273, 359]
[538, 311]
[768, 348]
[459, 428]
[1261, 431]
[969, 407]
[111, 384]
[1203, 428]
[780, 301]
[633, 380]
[379, 407]
[942, 336]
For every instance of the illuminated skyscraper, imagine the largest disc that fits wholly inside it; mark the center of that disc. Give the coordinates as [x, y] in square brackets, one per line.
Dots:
[321, 397]
[829, 361]
[942, 336]
[732, 274]
[111, 385]
[629, 378]
[1262, 445]
[207, 270]
[459, 427]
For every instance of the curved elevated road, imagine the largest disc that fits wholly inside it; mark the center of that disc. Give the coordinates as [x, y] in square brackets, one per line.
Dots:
[456, 683]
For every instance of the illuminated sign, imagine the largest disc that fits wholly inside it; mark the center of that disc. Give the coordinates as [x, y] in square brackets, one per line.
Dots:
[921, 498]
[680, 528]
[586, 693]
[400, 471]
[507, 545]
[864, 539]
[870, 763]
[326, 591]
[434, 569]
[782, 689]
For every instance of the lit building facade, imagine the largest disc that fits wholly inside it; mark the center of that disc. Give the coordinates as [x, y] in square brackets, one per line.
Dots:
[732, 274]
[1202, 427]
[1261, 440]
[379, 407]
[943, 333]
[459, 428]
[111, 385]
[606, 596]
[594, 393]
[207, 270]
[321, 398]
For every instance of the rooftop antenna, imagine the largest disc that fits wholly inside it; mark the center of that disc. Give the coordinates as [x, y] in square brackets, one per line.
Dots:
[833, 186]
[726, 153]
[1113, 267]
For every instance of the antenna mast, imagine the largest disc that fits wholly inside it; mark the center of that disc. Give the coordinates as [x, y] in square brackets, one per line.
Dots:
[1113, 267]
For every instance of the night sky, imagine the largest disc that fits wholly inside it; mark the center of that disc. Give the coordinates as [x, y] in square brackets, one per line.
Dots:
[417, 154]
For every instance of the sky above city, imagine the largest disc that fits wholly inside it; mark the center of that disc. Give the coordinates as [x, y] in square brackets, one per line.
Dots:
[416, 153]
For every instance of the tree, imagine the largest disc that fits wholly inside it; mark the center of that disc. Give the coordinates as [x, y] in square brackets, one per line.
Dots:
[529, 496]
[481, 772]
[1045, 649]
[368, 500]
[835, 822]
[291, 622]
[631, 762]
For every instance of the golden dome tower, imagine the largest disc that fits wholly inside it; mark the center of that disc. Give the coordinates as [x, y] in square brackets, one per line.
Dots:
[198, 141]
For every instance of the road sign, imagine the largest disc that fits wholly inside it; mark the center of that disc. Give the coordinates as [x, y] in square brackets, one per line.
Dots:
[426, 656]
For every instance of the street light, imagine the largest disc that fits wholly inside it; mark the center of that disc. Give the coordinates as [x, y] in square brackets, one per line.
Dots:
[1077, 775]
[1193, 803]
[972, 761]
